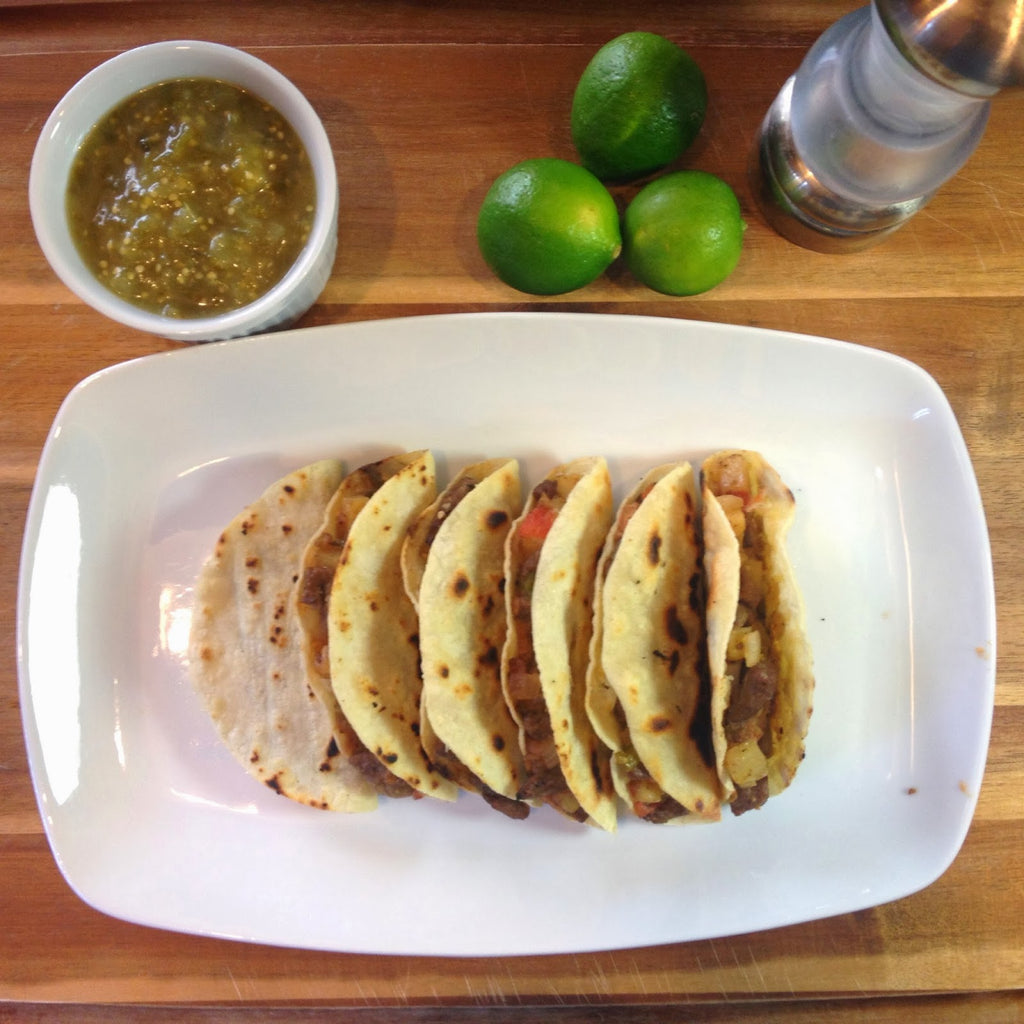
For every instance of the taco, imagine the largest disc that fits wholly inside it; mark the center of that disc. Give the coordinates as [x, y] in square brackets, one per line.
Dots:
[245, 650]
[317, 567]
[648, 692]
[373, 632]
[762, 680]
[453, 567]
[550, 562]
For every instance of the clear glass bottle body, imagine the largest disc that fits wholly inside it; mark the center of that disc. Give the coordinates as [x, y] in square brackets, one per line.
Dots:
[859, 139]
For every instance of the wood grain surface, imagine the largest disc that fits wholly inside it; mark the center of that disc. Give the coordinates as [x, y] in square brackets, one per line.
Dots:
[425, 103]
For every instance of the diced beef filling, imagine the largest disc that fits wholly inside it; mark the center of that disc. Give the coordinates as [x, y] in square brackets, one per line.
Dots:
[316, 585]
[505, 805]
[749, 798]
[747, 716]
[384, 782]
[444, 762]
[446, 506]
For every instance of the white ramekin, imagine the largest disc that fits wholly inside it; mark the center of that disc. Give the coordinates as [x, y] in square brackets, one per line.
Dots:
[103, 88]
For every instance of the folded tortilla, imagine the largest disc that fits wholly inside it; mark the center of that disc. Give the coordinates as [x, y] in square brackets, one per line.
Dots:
[318, 565]
[761, 664]
[648, 692]
[245, 649]
[551, 558]
[373, 629]
[453, 567]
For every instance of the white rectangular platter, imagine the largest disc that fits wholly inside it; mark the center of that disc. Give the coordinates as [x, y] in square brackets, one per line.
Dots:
[152, 821]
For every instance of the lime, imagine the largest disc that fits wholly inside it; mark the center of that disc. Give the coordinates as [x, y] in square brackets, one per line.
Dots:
[638, 105]
[683, 233]
[548, 226]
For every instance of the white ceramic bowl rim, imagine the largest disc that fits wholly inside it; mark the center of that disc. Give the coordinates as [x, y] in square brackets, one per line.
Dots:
[99, 91]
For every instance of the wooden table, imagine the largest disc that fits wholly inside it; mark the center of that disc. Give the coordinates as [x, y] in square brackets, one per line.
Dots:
[425, 105]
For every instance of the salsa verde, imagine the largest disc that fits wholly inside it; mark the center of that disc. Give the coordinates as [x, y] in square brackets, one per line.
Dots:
[191, 198]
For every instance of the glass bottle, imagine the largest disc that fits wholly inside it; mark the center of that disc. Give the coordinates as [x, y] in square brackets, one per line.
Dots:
[886, 106]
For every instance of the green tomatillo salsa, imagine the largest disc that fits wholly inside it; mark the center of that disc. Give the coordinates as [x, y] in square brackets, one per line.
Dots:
[191, 198]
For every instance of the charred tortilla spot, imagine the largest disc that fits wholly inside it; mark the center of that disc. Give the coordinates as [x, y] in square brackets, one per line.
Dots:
[287, 528]
[659, 724]
[390, 758]
[443, 671]
[674, 626]
[254, 757]
[274, 783]
[498, 742]
[595, 769]
[489, 657]
[654, 548]
[289, 489]
[252, 585]
[496, 519]
[205, 654]
[700, 724]
[696, 595]
[252, 561]
[332, 749]
[460, 584]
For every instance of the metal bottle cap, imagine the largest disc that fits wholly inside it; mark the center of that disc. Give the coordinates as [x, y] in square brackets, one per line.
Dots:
[973, 46]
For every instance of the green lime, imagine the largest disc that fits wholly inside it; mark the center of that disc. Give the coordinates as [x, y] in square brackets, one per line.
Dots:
[683, 233]
[548, 226]
[638, 105]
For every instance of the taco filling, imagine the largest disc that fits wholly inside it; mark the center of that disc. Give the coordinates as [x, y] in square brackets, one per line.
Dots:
[750, 662]
[545, 780]
[761, 661]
